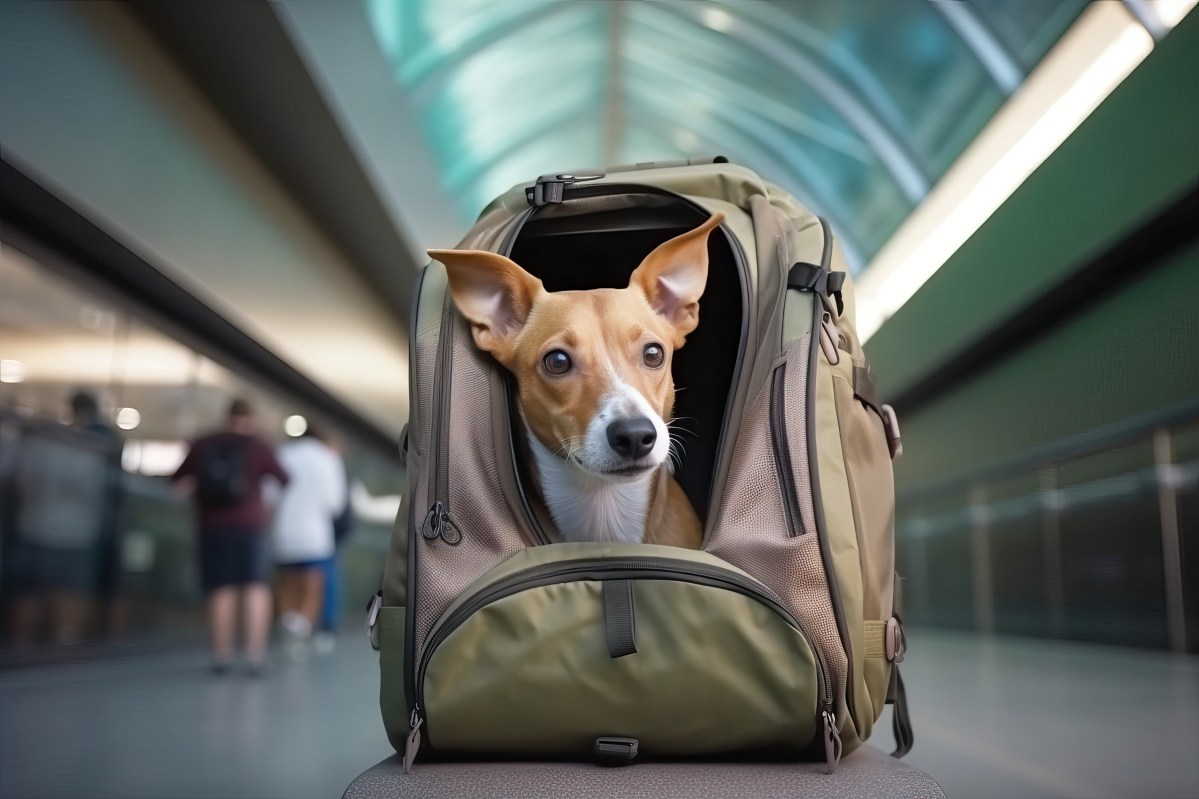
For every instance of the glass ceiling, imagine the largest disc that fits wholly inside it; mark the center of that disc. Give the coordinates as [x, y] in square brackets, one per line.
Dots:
[857, 108]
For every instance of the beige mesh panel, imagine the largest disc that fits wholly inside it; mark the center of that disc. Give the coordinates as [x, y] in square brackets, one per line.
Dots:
[476, 500]
[751, 532]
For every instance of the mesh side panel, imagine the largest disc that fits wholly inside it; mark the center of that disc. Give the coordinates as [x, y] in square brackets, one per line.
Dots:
[476, 499]
[751, 532]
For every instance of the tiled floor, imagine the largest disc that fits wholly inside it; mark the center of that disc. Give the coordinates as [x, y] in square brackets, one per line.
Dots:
[1001, 718]
[160, 726]
[1009, 717]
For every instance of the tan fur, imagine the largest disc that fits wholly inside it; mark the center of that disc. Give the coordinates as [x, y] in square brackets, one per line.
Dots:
[604, 331]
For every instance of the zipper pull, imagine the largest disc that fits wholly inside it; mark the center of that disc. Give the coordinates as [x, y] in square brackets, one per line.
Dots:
[450, 532]
[832, 741]
[430, 528]
[439, 524]
[828, 339]
[412, 742]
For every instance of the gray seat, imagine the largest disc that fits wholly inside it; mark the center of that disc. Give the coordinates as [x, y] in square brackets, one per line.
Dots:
[866, 772]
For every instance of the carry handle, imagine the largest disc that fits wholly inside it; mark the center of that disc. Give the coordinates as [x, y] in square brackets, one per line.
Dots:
[549, 188]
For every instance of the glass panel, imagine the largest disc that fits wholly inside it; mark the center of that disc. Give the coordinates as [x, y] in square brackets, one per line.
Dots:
[1028, 28]
[856, 108]
[93, 539]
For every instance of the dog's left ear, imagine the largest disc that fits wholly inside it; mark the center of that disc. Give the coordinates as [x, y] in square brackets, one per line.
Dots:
[674, 275]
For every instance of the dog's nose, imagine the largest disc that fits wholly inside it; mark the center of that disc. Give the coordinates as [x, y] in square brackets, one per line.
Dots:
[632, 438]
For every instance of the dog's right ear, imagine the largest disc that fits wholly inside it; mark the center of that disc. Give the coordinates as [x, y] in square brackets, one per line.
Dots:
[493, 293]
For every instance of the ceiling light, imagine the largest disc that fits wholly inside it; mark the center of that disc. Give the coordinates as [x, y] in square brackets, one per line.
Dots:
[716, 18]
[11, 371]
[295, 425]
[128, 418]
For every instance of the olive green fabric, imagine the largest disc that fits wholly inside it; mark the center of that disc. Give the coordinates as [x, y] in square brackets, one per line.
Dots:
[391, 669]
[714, 671]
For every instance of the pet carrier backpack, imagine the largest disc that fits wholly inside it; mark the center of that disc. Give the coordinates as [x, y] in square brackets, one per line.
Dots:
[779, 637]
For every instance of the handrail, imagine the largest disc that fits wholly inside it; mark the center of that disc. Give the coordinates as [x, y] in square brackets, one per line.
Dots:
[1128, 430]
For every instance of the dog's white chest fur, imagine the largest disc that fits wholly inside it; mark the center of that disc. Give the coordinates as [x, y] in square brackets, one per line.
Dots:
[589, 508]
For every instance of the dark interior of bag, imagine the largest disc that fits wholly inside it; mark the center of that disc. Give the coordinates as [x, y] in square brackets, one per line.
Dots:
[571, 252]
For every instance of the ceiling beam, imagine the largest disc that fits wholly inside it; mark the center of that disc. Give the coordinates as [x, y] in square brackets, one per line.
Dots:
[242, 59]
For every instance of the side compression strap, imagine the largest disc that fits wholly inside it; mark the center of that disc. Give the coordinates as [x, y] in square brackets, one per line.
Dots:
[901, 722]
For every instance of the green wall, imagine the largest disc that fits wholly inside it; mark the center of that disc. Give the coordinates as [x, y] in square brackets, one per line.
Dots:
[1136, 351]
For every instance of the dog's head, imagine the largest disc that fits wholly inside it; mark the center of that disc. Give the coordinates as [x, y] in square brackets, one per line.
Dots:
[593, 367]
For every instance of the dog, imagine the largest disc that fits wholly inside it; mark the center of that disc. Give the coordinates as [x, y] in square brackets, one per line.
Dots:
[595, 389]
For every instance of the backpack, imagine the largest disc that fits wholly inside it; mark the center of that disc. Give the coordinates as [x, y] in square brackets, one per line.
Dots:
[780, 636]
[222, 475]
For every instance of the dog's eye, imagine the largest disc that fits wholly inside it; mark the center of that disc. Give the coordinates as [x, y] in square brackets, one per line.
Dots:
[556, 362]
[654, 355]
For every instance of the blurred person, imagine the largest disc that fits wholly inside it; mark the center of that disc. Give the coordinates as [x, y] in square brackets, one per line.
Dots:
[325, 638]
[303, 532]
[224, 472]
[65, 484]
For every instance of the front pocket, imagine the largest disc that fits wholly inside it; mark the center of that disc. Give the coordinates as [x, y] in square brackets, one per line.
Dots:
[870, 479]
[708, 661]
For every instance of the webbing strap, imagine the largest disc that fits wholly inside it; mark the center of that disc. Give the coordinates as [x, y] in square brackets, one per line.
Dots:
[863, 389]
[620, 627]
[901, 722]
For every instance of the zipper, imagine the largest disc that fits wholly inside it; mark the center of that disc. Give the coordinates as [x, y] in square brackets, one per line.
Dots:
[506, 250]
[437, 522]
[622, 569]
[535, 525]
[830, 572]
[410, 574]
[782, 451]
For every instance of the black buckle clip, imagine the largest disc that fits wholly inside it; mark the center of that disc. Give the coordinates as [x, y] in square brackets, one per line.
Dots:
[615, 751]
[549, 188]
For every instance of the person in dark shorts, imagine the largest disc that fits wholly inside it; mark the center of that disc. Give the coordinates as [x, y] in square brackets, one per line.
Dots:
[224, 472]
[66, 483]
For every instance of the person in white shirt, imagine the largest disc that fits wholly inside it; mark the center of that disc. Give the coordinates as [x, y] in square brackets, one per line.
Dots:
[303, 529]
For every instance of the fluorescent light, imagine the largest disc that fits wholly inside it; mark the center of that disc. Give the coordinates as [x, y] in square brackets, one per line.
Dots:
[1171, 12]
[716, 18]
[295, 425]
[128, 418]
[1094, 56]
[11, 371]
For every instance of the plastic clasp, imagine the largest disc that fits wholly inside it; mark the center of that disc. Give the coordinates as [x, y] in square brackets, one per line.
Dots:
[548, 189]
[372, 616]
[614, 751]
[894, 641]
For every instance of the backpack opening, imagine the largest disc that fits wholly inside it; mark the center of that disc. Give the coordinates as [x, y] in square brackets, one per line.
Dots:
[590, 244]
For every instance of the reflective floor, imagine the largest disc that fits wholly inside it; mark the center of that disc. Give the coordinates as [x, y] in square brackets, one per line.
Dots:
[1000, 718]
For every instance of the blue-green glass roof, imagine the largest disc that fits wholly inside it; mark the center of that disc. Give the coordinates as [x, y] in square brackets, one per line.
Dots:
[856, 107]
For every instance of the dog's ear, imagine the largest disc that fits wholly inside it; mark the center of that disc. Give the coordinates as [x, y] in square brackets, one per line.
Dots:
[492, 292]
[674, 275]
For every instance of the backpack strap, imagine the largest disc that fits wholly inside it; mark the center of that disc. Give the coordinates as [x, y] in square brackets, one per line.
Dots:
[897, 697]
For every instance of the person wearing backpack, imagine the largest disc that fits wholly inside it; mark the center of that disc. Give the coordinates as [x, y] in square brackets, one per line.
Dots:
[224, 472]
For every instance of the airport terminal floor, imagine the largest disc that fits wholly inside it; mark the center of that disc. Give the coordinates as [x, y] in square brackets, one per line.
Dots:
[994, 717]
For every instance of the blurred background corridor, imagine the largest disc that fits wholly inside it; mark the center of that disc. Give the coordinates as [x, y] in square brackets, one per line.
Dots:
[204, 202]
